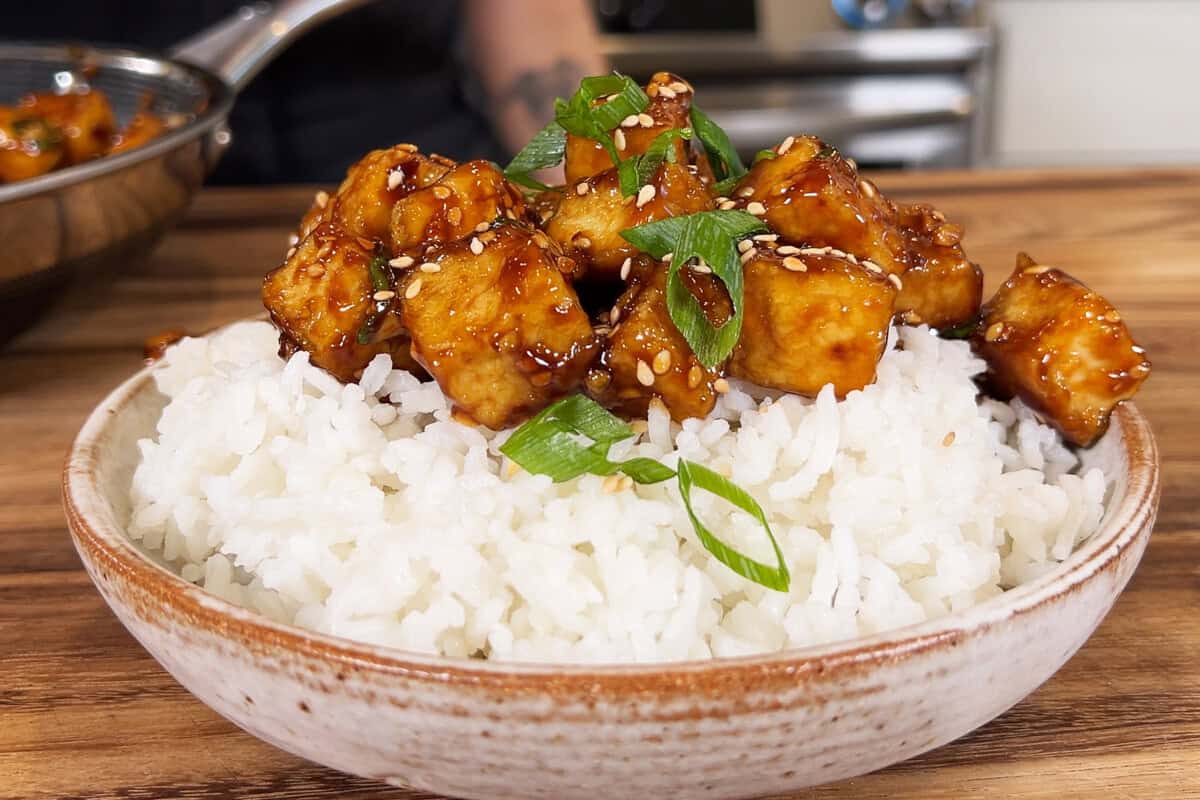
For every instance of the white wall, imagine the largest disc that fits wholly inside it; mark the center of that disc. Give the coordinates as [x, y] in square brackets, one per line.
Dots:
[1097, 81]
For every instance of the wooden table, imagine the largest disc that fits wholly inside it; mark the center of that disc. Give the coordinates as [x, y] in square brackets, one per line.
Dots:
[86, 713]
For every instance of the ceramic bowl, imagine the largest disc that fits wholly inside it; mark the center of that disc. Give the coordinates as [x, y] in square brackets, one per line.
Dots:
[739, 727]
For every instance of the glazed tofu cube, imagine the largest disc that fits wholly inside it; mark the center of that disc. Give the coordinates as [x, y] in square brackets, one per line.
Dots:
[592, 214]
[813, 317]
[812, 197]
[29, 146]
[496, 322]
[1061, 348]
[645, 356]
[942, 288]
[470, 194]
[670, 104]
[362, 205]
[321, 297]
[84, 119]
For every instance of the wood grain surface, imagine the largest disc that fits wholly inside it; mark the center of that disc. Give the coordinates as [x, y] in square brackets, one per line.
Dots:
[86, 713]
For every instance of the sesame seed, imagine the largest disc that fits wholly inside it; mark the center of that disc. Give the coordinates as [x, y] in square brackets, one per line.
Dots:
[384, 295]
[994, 331]
[794, 264]
[867, 188]
[652, 90]
[611, 484]
[413, 289]
[853, 259]
[947, 235]
[785, 145]
[749, 254]
[626, 266]
[850, 162]
[721, 386]
[746, 192]
[1137, 348]
[316, 271]
[539, 238]
[614, 316]
[645, 375]
[401, 262]
[508, 214]
[744, 245]
[667, 92]
[394, 179]
[694, 376]
[726, 205]
[938, 215]
[766, 237]
[702, 269]
[321, 199]
[871, 267]
[679, 86]
[626, 482]
[666, 259]
[630, 121]
[619, 139]
[662, 362]
[1036, 270]
[756, 208]
[948, 439]
[430, 266]
[720, 199]
[511, 469]
[454, 216]
[787, 250]
[481, 227]
[293, 239]
[645, 120]
[645, 195]
[476, 246]
[441, 192]
[812, 251]
[895, 281]
[581, 188]
[582, 242]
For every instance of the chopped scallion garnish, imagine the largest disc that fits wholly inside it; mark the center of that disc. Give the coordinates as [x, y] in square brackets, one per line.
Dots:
[544, 150]
[552, 444]
[381, 281]
[727, 167]
[765, 155]
[963, 330]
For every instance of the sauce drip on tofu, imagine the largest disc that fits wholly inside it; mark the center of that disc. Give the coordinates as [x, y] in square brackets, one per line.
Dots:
[511, 300]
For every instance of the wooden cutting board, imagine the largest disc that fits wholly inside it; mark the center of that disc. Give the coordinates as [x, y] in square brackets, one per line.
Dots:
[85, 713]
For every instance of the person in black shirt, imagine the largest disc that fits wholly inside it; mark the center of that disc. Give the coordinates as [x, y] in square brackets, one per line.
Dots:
[465, 78]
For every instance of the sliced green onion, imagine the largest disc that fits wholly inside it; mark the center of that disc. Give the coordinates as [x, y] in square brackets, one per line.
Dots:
[711, 236]
[765, 155]
[963, 330]
[381, 281]
[722, 157]
[544, 150]
[550, 444]
[637, 171]
[693, 475]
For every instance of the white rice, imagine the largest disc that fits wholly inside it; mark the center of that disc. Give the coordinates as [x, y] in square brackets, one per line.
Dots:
[276, 487]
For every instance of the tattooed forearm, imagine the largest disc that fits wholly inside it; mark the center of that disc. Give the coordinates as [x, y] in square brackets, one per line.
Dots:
[535, 89]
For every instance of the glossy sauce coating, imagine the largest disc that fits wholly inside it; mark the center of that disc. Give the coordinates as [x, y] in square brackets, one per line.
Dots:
[362, 205]
[452, 206]
[29, 146]
[645, 356]
[942, 288]
[84, 118]
[666, 110]
[592, 213]
[814, 319]
[1061, 348]
[811, 196]
[498, 324]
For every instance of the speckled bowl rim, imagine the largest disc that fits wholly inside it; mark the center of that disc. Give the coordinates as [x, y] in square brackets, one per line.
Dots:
[95, 530]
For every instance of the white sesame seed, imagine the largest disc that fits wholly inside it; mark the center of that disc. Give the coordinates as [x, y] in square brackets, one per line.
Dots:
[645, 195]
[867, 188]
[667, 92]
[720, 386]
[785, 145]
[614, 316]
[441, 192]
[316, 271]
[702, 269]
[812, 251]
[401, 262]
[694, 376]
[582, 242]
[766, 237]
[1036, 270]
[749, 255]
[720, 199]
[756, 208]
[787, 250]
[384, 295]
[662, 362]
[413, 289]
[852, 164]
[321, 199]
[680, 87]
[476, 246]
[619, 138]
[744, 245]
[626, 266]
[645, 374]
[1137, 348]
[746, 192]
[645, 120]
[394, 179]
[853, 259]
[666, 259]
[630, 121]
[726, 205]
[481, 227]
[895, 281]
[872, 267]
[794, 264]
[994, 331]
[948, 439]
[430, 266]
[293, 239]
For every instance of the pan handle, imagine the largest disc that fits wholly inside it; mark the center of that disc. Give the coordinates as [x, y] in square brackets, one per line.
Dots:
[238, 47]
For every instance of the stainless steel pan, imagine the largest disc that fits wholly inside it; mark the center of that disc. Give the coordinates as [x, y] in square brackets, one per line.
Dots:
[94, 216]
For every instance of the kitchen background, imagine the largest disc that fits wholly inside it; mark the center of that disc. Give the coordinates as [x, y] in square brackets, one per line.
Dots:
[933, 83]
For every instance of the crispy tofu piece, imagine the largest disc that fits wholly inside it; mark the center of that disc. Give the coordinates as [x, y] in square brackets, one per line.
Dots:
[85, 119]
[942, 288]
[143, 128]
[450, 208]
[811, 196]
[670, 105]
[29, 146]
[592, 214]
[498, 324]
[813, 317]
[362, 205]
[321, 297]
[1060, 347]
[645, 356]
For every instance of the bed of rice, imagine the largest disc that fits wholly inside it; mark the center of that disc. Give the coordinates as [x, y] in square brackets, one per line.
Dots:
[276, 487]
